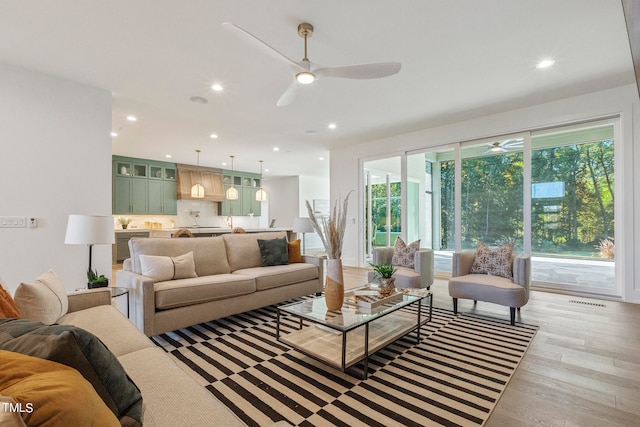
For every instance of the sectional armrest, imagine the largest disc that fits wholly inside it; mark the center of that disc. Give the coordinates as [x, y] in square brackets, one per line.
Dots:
[81, 300]
[142, 293]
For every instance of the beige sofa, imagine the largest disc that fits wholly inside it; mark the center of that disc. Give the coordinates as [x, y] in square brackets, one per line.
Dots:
[230, 280]
[170, 397]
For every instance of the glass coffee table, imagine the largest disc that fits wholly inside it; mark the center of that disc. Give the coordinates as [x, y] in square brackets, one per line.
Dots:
[342, 339]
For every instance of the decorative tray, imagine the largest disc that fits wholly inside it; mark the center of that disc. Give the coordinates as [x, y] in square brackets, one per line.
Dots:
[368, 299]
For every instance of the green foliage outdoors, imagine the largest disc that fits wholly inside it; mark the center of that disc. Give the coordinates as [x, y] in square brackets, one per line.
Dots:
[492, 209]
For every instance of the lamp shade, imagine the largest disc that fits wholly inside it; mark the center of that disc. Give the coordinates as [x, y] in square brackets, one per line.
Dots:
[261, 195]
[89, 230]
[302, 225]
[232, 193]
[197, 191]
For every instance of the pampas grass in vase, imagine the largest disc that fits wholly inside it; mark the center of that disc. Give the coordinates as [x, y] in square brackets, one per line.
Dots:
[331, 232]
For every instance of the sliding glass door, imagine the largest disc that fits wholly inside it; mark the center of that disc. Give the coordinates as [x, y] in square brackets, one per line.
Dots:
[572, 208]
[382, 213]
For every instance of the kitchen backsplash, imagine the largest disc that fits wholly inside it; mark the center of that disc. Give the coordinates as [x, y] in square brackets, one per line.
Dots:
[190, 213]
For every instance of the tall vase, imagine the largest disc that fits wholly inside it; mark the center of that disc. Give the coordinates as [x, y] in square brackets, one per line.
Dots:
[334, 288]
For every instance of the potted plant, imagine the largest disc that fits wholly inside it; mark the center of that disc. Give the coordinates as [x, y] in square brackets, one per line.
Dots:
[124, 222]
[95, 281]
[384, 273]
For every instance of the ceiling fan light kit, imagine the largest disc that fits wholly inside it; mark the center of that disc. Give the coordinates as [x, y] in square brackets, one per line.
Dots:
[306, 72]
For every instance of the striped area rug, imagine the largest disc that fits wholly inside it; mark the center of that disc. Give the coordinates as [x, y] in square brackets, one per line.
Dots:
[453, 377]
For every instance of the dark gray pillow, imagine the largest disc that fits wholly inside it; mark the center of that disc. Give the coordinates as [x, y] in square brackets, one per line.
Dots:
[274, 251]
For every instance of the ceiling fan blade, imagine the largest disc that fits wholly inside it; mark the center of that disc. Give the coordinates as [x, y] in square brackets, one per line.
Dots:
[289, 95]
[242, 33]
[365, 71]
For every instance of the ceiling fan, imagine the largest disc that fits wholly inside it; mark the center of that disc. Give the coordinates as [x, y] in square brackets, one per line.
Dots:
[502, 146]
[306, 72]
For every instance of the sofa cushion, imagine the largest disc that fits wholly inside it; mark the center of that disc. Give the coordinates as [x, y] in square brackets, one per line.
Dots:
[183, 292]
[113, 328]
[44, 300]
[209, 253]
[81, 350]
[280, 275]
[50, 393]
[171, 397]
[404, 255]
[274, 251]
[161, 268]
[10, 418]
[243, 250]
[493, 261]
[7, 305]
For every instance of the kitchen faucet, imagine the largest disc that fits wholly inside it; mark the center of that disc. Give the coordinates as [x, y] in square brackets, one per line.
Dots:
[230, 221]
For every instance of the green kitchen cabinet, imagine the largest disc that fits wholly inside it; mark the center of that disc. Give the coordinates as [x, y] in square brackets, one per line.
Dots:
[130, 195]
[247, 184]
[144, 186]
[163, 189]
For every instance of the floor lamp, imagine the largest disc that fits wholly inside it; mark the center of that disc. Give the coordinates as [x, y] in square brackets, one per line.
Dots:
[90, 230]
[302, 225]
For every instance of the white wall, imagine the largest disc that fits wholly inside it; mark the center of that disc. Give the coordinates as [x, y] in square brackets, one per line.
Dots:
[55, 161]
[622, 101]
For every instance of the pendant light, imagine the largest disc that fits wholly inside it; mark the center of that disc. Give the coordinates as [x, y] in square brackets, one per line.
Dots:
[197, 190]
[261, 195]
[232, 193]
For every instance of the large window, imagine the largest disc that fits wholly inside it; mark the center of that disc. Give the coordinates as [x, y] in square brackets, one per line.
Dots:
[551, 193]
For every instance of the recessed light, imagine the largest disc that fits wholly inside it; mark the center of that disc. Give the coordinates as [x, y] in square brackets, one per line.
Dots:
[217, 87]
[213, 136]
[320, 158]
[114, 134]
[545, 63]
[198, 99]
[168, 156]
[224, 163]
[332, 126]
[266, 170]
[276, 149]
[132, 118]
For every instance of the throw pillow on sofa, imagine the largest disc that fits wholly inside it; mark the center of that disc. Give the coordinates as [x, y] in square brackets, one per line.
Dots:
[163, 268]
[7, 305]
[294, 252]
[81, 350]
[44, 300]
[274, 251]
[50, 394]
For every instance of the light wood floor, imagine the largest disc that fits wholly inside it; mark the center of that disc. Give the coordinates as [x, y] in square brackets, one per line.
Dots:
[582, 368]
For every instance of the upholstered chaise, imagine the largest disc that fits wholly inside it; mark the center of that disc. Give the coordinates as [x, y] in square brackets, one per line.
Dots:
[512, 292]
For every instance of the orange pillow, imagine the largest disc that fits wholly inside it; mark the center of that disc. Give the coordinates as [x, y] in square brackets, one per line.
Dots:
[52, 394]
[294, 252]
[8, 307]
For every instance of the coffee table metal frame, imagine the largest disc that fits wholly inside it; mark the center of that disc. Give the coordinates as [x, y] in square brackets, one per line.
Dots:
[320, 339]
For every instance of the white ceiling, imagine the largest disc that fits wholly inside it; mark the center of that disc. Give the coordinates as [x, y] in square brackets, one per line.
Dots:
[460, 59]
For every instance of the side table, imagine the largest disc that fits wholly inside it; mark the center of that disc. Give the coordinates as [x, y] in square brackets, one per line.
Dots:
[118, 292]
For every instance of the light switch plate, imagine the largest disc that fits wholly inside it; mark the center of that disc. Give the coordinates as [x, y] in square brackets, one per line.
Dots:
[13, 221]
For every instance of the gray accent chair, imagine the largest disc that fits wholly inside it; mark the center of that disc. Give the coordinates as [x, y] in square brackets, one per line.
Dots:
[513, 293]
[421, 276]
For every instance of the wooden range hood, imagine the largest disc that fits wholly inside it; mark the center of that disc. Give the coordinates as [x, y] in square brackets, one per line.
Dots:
[209, 178]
